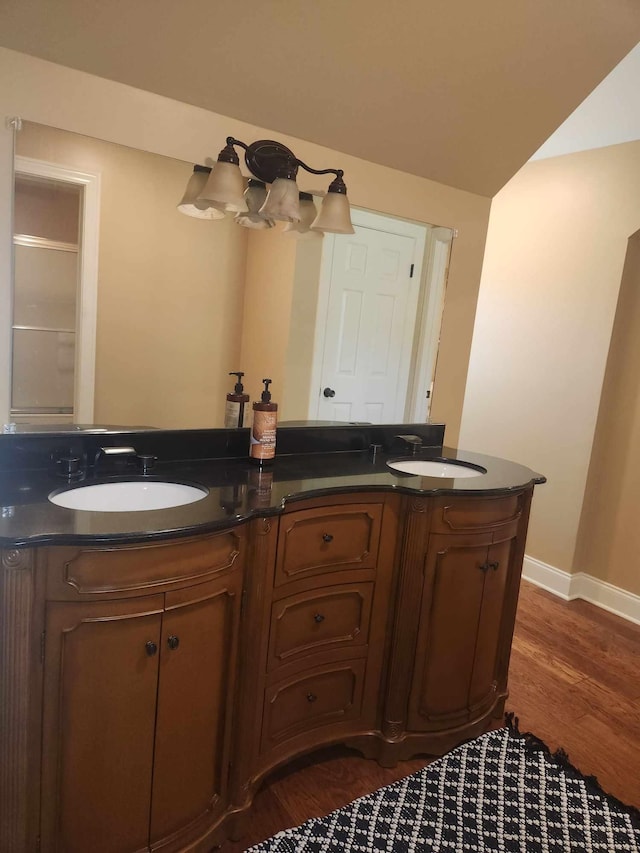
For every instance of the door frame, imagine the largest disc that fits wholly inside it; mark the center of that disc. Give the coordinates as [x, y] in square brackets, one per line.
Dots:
[87, 304]
[421, 340]
[427, 333]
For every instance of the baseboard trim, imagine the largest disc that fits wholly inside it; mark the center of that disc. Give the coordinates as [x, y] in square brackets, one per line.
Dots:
[584, 586]
[548, 577]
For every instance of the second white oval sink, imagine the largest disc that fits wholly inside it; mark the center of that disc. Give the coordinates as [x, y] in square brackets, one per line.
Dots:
[129, 496]
[436, 468]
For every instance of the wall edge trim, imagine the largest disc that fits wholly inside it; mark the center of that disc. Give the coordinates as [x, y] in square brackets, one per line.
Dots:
[581, 585]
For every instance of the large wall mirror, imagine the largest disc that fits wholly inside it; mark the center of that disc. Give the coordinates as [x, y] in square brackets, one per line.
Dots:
[129, 313]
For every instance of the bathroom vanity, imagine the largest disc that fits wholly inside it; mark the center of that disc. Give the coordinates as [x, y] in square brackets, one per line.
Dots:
[158, 665]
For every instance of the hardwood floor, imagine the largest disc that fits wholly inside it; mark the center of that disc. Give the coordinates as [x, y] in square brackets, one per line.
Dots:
[574, 681]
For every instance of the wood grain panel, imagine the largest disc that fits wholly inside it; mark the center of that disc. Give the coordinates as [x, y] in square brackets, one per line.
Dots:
[466, 515]
[333, 617]
[417, 517]
[78, 572]
[16, 652]
[193, 724]
[99, 721]
[327, 695]
[316, 541]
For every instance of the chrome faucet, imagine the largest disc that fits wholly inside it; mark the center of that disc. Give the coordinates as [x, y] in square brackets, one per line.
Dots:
[145, 461]
[413, 442]
[114, 453]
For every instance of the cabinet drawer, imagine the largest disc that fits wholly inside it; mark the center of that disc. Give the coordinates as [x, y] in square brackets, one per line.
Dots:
[336, 617]
[321, 540]
[83, 571]
[465, 515]
[328, 695]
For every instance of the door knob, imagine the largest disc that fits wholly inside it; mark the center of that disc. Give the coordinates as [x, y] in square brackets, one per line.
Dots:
[329, 392]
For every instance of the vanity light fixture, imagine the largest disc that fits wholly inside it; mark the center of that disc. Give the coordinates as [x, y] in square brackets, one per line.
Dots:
[272, 163]
[255, 196]
[308, 215]
[190, 205]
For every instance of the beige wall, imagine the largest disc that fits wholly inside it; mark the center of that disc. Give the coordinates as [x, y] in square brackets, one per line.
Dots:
[279, 318]
[58, 96]
[170, 287]
[271, 258]
[298, 391]
[553, 265]
[608, 544]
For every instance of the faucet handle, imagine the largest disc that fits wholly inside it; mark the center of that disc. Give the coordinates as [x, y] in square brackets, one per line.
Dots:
[70, 467]
[147, 461]
[414, 442]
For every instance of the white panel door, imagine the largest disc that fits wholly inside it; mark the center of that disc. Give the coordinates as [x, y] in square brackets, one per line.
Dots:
[371, 318]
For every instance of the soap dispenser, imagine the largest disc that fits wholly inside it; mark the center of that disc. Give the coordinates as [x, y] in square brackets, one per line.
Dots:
[234, 410]
[262, 446]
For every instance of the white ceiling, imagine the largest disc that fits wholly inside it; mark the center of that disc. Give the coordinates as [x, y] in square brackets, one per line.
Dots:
[461, 92]
[608, 116]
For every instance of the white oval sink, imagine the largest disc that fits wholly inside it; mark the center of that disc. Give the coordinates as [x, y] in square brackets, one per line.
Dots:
[130, 496]
[435, 468]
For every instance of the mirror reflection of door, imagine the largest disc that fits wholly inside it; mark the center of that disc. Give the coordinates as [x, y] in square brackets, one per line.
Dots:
[374, 315]
[50, 329]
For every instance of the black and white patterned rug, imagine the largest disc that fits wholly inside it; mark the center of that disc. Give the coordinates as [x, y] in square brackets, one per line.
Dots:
[503, 791]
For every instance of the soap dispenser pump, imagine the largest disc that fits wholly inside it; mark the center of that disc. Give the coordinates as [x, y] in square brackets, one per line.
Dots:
[234, 409]
[262, 446]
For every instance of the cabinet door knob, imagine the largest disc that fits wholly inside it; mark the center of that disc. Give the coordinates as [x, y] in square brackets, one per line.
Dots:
[151, 648]
[318, 617]
[311, 697]
[173, 642]
[495, 566]
[327, 537]
[484, 567]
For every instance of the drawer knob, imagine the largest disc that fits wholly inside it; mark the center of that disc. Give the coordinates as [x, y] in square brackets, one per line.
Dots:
[173, 642]
[318, 617]
[151, 648]
[327, 537]
[311, 697]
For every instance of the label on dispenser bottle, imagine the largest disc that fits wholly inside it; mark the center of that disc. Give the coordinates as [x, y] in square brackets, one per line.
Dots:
[232, 415]
[263, 436]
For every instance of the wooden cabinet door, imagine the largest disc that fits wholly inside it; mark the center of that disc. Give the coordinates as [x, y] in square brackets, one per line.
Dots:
[100, 685]
[197, 662]
[460, 624]
[484, 680]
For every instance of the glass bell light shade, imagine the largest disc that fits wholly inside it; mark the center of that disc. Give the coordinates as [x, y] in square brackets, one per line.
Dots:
[189, 204]
[308, 214]
[282, 201]
[225, 188]
[335, 213]
[255, 196]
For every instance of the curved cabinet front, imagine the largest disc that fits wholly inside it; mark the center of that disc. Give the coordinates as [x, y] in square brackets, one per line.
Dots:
[98, 724]
[138, 700]
[174, 676]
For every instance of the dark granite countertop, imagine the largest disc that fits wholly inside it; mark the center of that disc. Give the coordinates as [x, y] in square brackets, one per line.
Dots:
[237, 491]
